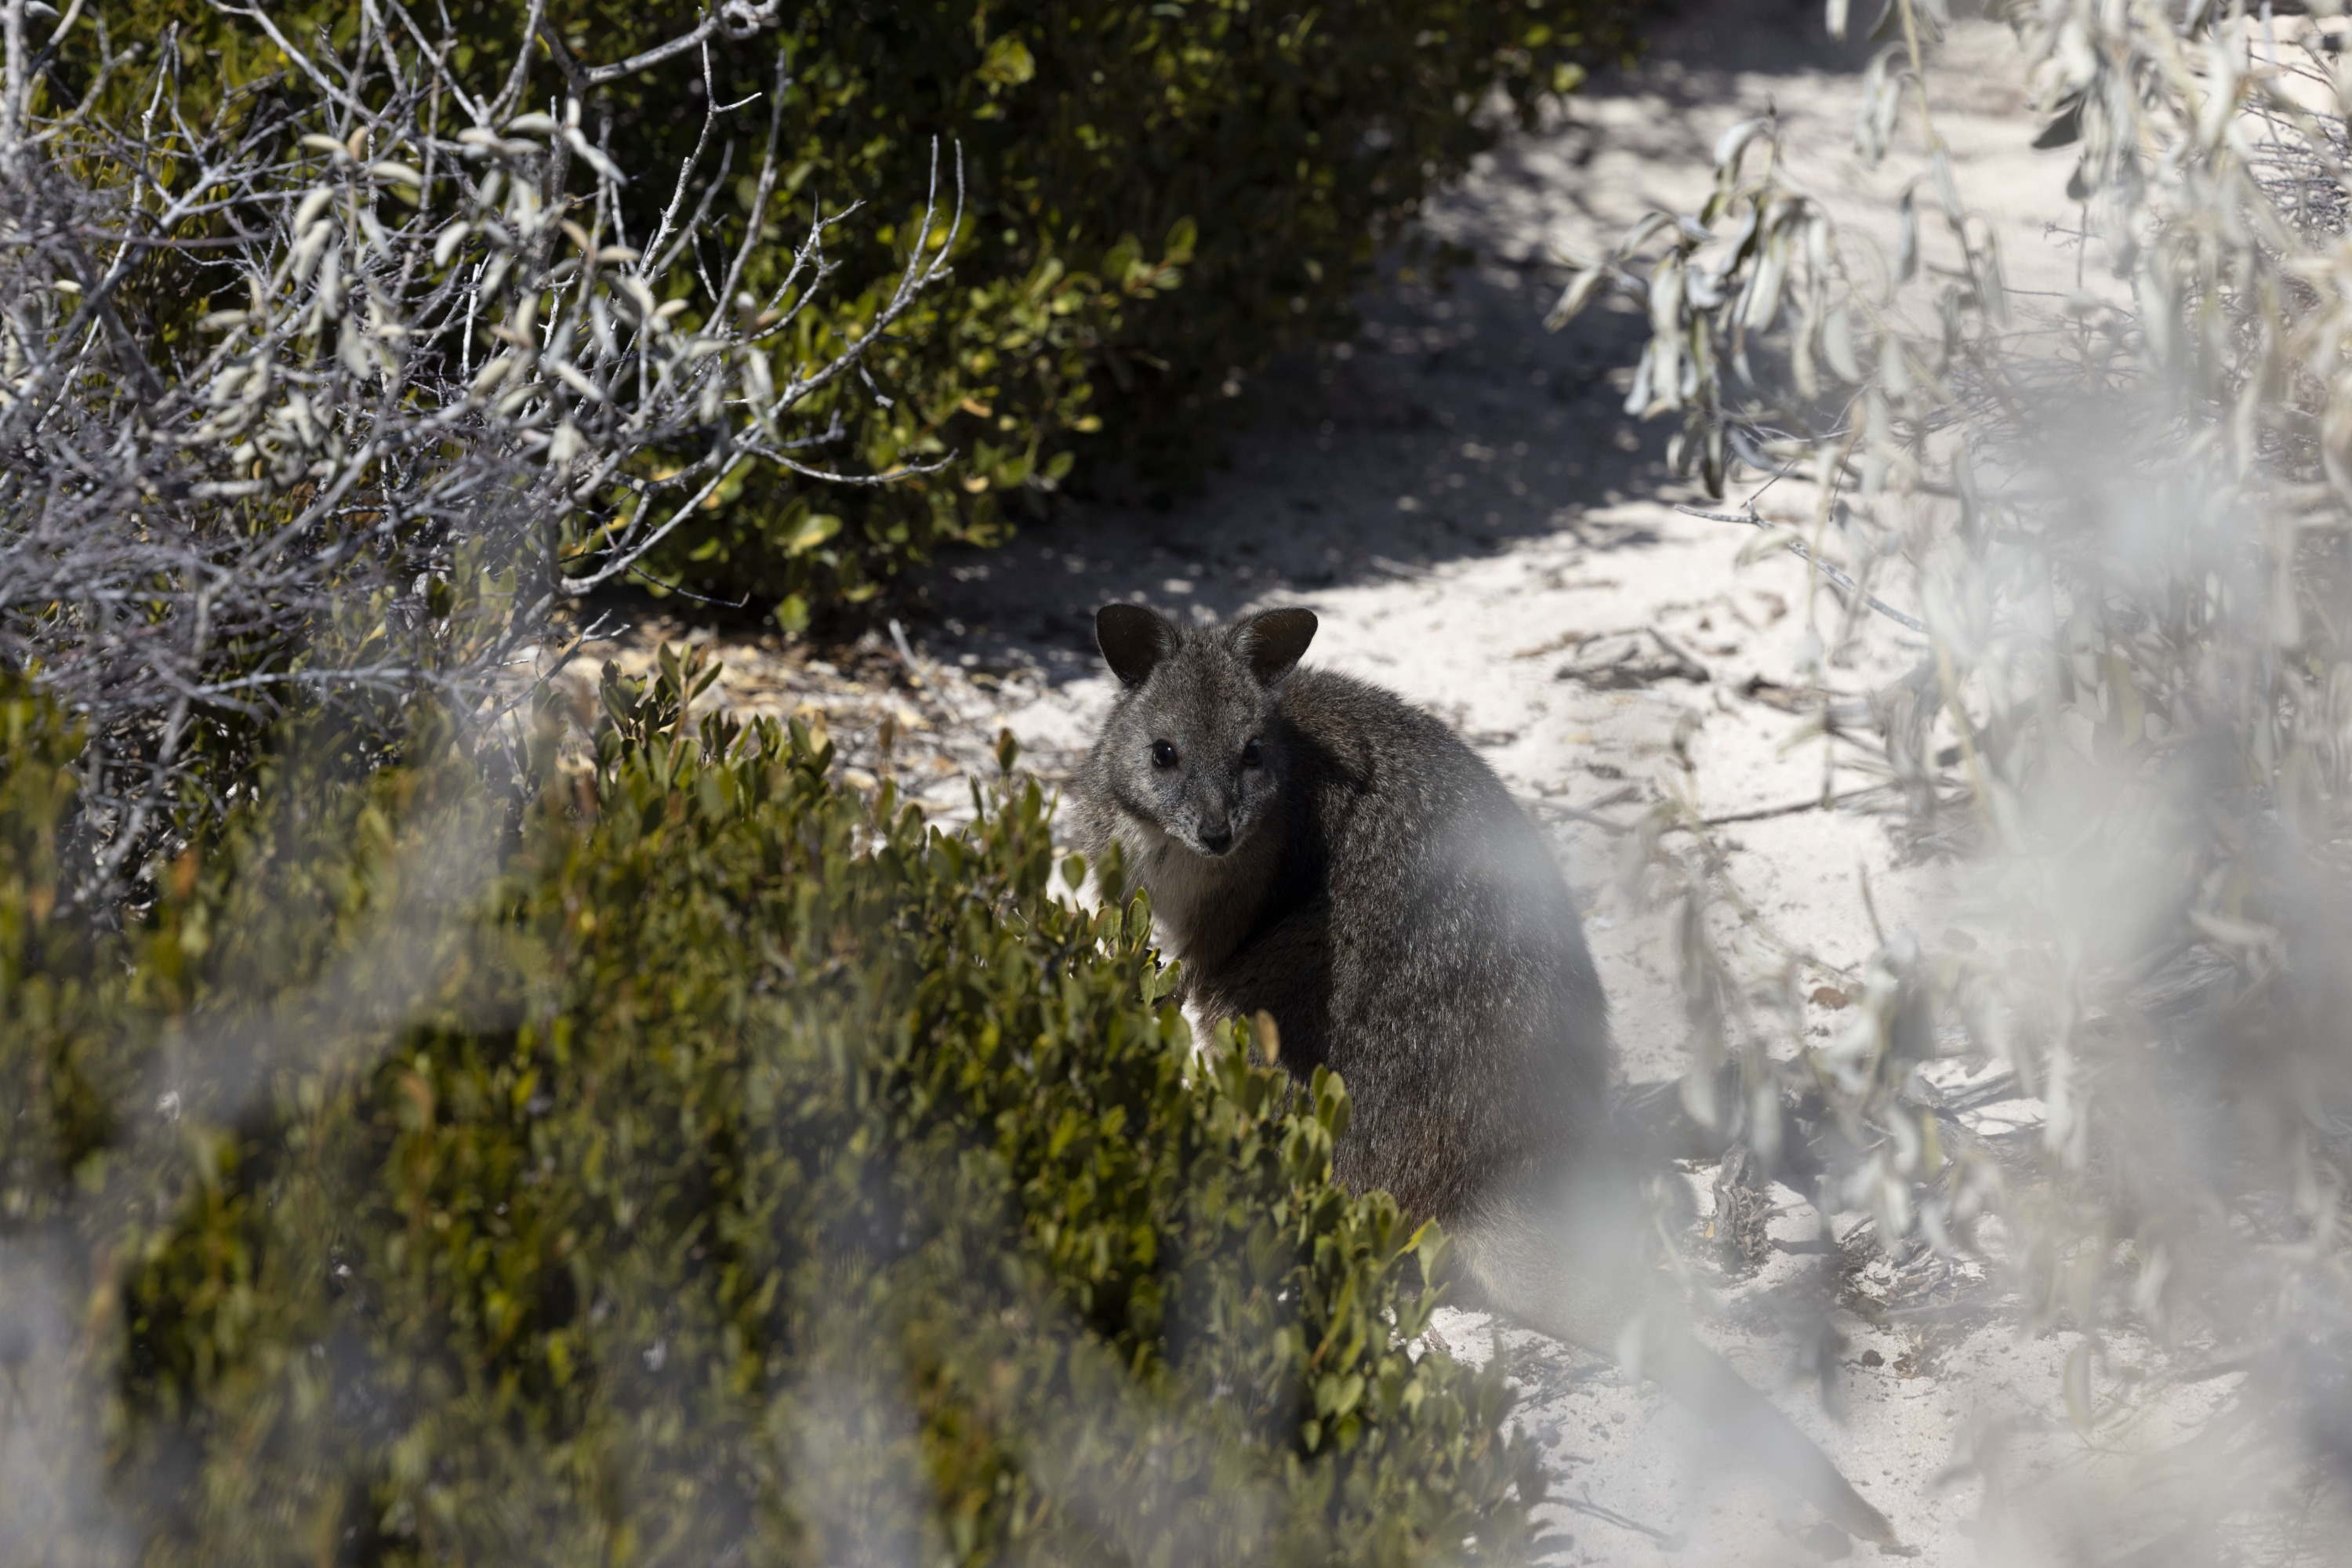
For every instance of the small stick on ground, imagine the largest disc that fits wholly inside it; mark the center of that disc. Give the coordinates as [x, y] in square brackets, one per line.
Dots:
[1670, 1541]
[1591, 813]
[1759, 814]
[1680, 652]
[906, 653]
[924, 683]
[1797, 547]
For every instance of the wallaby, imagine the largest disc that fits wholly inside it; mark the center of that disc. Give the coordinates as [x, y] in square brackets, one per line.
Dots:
[1319, 850]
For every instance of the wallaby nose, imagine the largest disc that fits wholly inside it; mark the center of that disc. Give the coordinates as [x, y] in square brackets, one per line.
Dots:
[1218, 840]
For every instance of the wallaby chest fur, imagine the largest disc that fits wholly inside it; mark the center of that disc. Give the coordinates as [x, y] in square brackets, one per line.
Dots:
[1381, 896]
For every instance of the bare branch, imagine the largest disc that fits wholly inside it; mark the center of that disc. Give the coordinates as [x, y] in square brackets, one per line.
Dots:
[435, 395]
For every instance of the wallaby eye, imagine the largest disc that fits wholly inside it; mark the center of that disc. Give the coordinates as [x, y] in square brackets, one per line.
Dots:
[1163, 755]
[1251, 756]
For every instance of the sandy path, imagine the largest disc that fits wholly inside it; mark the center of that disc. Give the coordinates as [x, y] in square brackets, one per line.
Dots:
[1461, 499]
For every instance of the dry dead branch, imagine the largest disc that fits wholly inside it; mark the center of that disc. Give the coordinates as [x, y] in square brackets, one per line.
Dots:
[445, 384]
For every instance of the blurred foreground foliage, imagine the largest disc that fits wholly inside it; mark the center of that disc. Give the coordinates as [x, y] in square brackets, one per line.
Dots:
[1164, 198]
[2110, 495]
[697, 1163]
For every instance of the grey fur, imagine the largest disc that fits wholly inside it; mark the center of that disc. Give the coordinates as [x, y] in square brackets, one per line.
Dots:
[1368, 881]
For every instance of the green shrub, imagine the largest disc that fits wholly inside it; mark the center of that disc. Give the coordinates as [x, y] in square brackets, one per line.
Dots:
[701, 1164]
[1161, 194]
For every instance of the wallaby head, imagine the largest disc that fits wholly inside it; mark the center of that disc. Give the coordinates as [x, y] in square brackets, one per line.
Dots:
[1192, 747]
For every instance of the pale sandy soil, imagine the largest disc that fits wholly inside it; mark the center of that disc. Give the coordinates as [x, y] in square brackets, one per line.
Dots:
[1462, 500]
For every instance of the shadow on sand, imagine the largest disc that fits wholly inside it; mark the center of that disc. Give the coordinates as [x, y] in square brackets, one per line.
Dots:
[1450, 425]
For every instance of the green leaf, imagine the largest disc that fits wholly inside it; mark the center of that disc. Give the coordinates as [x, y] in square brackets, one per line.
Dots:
[1007, 63]
[813, 530]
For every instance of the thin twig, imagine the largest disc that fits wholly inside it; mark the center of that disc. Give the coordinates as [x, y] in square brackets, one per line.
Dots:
[598, 76]
[1762, 813]
[1590, 812]
[1670, 1541]
[1797, 547]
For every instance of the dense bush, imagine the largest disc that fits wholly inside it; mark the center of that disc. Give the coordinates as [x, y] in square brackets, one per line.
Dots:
[701, 1164]
[1162, 195]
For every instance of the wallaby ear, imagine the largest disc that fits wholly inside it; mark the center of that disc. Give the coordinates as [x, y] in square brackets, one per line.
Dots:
[1134, 640]
[1275, 642]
